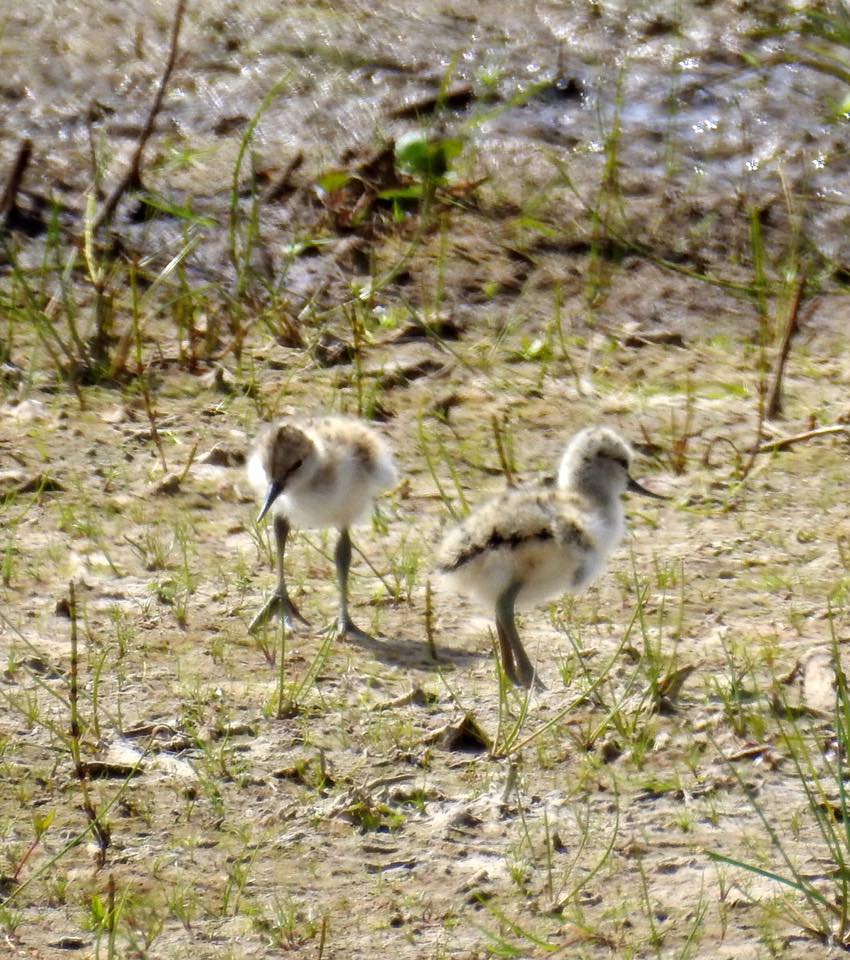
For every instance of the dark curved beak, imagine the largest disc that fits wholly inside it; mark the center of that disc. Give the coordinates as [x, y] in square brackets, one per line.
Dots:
[275, 490]
[635, 487]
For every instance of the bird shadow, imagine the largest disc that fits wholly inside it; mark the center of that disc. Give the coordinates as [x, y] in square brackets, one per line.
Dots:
[410, 652]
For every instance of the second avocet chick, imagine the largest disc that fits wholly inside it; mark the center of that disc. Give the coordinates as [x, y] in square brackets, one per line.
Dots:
[527, 545]
[318, 472]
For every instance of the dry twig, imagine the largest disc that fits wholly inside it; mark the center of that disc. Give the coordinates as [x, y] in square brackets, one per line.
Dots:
[8, 199]
[773, 406]
[782, 442]
[502, 450]
[280, 186]
[132, 179]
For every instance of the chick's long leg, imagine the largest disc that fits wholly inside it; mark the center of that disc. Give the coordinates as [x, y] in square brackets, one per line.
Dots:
[506, 652]
[342, 559]
[517, 665]
[280, 603]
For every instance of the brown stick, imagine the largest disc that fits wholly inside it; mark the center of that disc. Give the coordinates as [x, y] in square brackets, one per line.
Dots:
[762, 389]
[782, 442]
[280, 185]
[501, 449]
[13, 184]
[773, 406]
[132, 179]
[429, 621]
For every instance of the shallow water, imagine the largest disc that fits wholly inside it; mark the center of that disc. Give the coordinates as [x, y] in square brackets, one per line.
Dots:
[694, 115]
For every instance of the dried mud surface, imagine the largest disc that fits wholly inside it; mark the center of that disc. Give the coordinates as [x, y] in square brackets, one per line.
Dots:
[369, 818]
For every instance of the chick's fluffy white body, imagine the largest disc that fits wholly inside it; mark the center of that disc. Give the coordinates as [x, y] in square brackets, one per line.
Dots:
[346, 467]
[549, 540]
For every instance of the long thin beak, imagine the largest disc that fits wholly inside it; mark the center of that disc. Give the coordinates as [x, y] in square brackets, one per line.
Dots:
[635, 487]
[275, 490]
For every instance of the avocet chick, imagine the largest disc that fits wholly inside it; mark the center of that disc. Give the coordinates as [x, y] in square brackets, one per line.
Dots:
[527, 545]
[317, 472]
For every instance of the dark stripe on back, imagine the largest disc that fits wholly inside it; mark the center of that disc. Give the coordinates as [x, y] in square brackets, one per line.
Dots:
[495, 541]
[553, 527]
